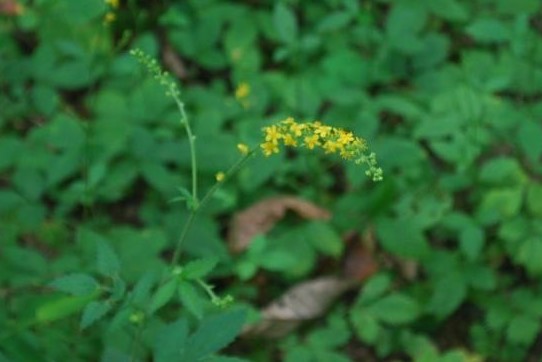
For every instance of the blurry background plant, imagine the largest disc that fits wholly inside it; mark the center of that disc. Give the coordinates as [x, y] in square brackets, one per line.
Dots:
[448, 93]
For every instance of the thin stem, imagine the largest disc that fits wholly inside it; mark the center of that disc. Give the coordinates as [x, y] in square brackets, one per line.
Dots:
[192, 144]
[233, 169]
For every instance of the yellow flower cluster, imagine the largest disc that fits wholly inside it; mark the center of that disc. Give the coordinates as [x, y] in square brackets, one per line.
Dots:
[110, 16]
[312, 135]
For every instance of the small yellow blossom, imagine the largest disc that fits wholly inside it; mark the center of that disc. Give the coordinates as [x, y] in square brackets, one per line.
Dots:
[220, 176]
[243, 149]
[312, 141]
[110, 17]
[242, 91]
[113, 3]
[272, 134]
[269, 148]
[312, 135]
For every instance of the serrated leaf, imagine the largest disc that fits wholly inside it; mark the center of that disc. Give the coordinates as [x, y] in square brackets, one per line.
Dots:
[214, 333]
[142, 290]
[395, 309]
[107, 261]
[170, 342]
[285, 23]
[163, 295]
[199, 268]
[93, 312]
[75, 284]
[190, 299]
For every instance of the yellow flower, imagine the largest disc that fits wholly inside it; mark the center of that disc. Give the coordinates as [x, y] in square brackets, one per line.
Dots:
[289, 140]
[272, 134]
[110, 17]
[220, 176]
[311, 141]
[113, 3]
[322, 131]
[345, 137]
[242, 91]
[243, 148]
[331, 146]
[269, 148]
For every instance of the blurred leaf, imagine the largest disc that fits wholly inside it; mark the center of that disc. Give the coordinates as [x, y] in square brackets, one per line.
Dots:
[163, 295]
[534, 195]
[214, 333]
[61, 307]
[324, 238]
[529, 136]
[170, 341]
[523, 329]
[366, 325]
[285, 23]
[395, 309]
[199, 268]
[375, 287]
[402, 238]
[75, 284]
[107, 261]
[93, 312]
[529, 255]
[488, 30]
[262, 216]
[450, 291]
[472, 240]
[190, 299]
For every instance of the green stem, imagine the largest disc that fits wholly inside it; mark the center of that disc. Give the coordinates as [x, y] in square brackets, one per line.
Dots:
[192, 144]
[233, 169]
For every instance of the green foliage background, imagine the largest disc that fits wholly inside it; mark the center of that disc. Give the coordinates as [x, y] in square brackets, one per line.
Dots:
[448, 93]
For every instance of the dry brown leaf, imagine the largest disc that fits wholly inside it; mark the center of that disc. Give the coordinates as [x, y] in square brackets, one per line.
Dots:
[10, 7]
[262, 216]
[173, 62]
[304, 301]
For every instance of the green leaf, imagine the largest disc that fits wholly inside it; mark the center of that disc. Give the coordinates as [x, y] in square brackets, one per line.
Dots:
[163, 295]
[45, 99]
[324, 238]
[402, 238]
[488, 30]
[529, 136]
[395, 309]
[471, 241]
[523, 329]
[199, 268]
[449, 9]
[107, 261]
[190, 299]
[534, 195]
[450, 291]
[375, 287]
[285, 23]
[502, 171]
[93, 312]
[61, 307]
[215, 332]
[530, 254]
[141, 293]
[75, 284]
[501, 203]
[366, 325]
[169, 343]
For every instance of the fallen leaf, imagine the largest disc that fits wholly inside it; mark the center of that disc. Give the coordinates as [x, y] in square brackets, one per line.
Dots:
[359, 262]
[173, 62]
[10, 7]
[259, 218]
[304, 301]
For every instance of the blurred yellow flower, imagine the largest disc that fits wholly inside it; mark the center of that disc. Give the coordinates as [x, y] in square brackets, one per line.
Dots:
[110, 17]
[113, 3]
[220, 176]
[242, 91]
[243, 149]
